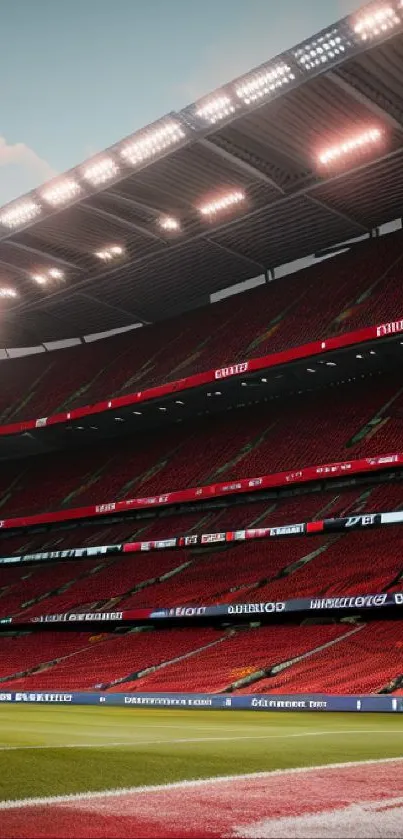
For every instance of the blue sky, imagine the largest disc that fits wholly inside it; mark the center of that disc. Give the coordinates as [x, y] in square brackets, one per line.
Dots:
[78, 75]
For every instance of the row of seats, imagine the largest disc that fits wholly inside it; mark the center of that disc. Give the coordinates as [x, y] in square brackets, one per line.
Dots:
[253, 441]
[97, 660]
[358, 288]
[333, 658]
[263, 569]
[365, 662]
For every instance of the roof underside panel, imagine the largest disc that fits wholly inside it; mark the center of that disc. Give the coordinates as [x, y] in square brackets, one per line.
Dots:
[289, 230]
[292, 207]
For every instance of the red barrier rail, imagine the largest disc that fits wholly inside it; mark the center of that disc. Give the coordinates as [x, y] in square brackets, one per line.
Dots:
[276, 480]
[360, 336]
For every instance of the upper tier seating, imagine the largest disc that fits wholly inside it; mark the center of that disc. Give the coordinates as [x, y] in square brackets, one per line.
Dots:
[244, 443]
[355, 289]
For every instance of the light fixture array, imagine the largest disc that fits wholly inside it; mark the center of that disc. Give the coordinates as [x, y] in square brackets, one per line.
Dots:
[110, 253]
[364, 140]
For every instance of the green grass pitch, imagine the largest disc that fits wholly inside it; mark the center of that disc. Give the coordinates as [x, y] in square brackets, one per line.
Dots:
[57, 750]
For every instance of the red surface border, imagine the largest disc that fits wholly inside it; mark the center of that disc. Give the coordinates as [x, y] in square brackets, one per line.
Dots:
[278, 479]
[264, 362]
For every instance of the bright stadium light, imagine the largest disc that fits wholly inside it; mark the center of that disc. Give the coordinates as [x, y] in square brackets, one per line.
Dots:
[107, 254]
[55, 274]
[100, 171]
[366, 139]
[153, 142]
[20, 213]
[372, 24]
[169, 224]
[61, 192]
[214, 109]
[225, 202]
[49, 274]
[327, 47]
[258, 85]
[7, 293]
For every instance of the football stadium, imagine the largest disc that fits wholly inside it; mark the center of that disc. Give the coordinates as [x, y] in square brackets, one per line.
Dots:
[201, 535]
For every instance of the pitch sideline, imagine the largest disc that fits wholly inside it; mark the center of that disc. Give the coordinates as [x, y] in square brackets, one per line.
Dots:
[193, 784]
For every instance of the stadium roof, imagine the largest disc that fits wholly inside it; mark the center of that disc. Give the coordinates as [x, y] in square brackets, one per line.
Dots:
[303, 152]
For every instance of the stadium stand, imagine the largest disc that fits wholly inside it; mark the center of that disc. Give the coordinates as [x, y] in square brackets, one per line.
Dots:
[342, 563]
[358, 288]
[362, 663]
[364, 420]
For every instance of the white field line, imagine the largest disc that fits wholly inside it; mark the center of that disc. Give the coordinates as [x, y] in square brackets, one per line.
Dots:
[130, 743]
[220, 779]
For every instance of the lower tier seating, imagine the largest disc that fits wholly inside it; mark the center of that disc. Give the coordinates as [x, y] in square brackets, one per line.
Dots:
[97, 660]
[363, 663]
[333, 658]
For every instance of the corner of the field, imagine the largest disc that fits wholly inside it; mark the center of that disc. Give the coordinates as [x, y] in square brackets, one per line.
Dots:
[188, 784]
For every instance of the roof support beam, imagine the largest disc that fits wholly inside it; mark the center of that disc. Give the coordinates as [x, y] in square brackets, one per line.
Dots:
[364, 99]
[16, 269]
[131, 202]
[238, 255]
[114, 308]
[343, 216]
[130, 225]
[57, 260]
[256, 174]
[242, 165]
[283, 200]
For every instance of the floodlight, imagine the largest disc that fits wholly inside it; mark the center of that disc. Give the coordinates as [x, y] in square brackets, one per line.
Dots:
[364, 140]
[223, 203]
[55, 273]
[112, 252]
[101, 171]
[372, 24]
[327, 47]
[150, 143]
[169, 224]
[214, 109]
[256, 86]
[8, 292]
[61, 192]
[20, 213]
[48, 274]
[104, 255]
